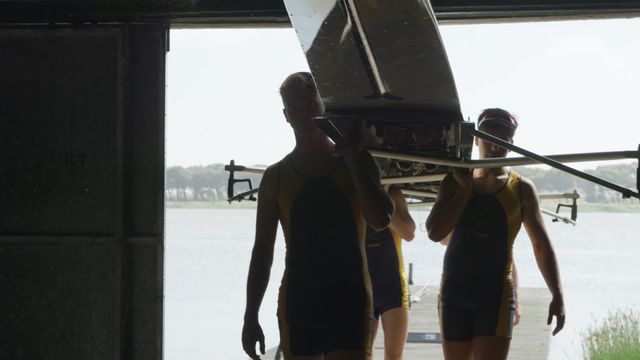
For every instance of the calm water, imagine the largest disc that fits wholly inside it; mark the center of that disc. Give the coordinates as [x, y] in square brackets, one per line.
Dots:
[207, 258]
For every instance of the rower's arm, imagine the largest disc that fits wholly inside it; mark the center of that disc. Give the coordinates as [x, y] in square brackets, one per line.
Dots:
[401, 223]
[447, 239]
[543, 251]
[261, 260]
[448, 208]
[262, 254]
[376, 205]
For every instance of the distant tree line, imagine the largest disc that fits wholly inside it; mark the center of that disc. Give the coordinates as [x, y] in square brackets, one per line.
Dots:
[554, 181]
[206, 183]
[203, 183]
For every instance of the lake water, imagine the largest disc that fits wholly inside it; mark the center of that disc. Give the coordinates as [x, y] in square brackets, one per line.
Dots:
[208, 252]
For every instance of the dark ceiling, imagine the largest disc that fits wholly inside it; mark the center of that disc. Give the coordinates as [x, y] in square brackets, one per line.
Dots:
[221, 12]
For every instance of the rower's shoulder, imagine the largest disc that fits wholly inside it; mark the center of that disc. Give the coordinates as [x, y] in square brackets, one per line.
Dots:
[528, 190]
[271, 176]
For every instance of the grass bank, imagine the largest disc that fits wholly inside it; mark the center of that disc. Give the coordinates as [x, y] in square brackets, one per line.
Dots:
[616, 338]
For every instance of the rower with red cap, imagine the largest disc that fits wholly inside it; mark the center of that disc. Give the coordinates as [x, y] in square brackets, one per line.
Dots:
[480, 211]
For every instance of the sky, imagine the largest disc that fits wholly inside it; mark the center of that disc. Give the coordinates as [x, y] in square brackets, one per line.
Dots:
[574, 86]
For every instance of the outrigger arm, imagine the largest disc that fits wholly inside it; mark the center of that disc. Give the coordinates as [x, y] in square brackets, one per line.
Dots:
[528, 158]
[232, 168]
[424, 197]
[626, 193]
[574, 196]
[557, 217]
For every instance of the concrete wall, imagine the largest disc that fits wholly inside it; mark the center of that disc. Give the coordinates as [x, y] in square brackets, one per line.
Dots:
[81, 192]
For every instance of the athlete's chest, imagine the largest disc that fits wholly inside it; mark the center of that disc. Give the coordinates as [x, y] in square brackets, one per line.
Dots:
[489, 184]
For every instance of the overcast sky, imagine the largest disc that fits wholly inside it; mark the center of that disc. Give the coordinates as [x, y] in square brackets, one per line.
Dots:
[575, 87]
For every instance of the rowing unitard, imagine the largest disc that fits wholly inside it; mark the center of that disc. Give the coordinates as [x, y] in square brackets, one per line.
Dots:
[477, 295]
[386, 267]
[324, 302]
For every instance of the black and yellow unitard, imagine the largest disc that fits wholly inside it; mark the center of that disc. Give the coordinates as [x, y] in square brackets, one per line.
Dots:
[324, 302]
[477, 295]
[386, 267]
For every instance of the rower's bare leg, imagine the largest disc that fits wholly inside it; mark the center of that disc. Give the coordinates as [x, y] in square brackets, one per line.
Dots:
[395, 323]
[312, 357]
[457, 350]
[490, 348]
[348, 355]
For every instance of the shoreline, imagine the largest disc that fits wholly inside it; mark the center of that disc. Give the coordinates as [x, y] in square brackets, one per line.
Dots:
[210, 205]
[627, 207]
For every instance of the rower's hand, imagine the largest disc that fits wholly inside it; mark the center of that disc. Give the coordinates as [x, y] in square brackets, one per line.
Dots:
[464, 178]
[353, 143]
[252, 333]
[556, 308]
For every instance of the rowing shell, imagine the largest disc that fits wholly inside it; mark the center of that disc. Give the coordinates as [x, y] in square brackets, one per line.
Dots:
[375, 54]
[384, 62]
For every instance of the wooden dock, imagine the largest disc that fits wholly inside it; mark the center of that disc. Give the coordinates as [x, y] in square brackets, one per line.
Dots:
[530, 338]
